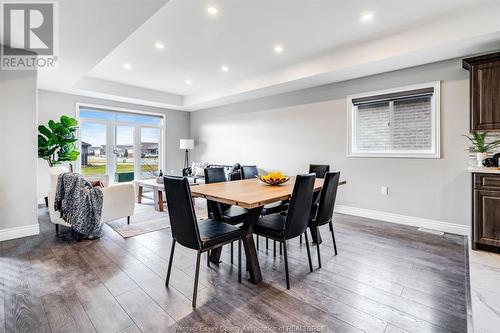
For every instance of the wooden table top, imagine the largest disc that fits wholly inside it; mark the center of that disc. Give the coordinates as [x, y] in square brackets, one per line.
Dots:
[249, 193]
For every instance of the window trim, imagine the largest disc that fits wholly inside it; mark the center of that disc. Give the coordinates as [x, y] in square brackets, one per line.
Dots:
[434, 153]
[110, 143]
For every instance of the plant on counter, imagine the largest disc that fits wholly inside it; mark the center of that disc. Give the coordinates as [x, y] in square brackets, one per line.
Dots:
[481, 146]
[56, 143]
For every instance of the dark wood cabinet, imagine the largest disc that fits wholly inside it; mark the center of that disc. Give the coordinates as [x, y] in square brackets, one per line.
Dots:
[484, 91]
[486, 212]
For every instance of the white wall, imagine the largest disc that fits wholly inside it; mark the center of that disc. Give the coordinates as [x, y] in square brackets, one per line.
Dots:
[287, 132]
[18, 149]
[52, 105]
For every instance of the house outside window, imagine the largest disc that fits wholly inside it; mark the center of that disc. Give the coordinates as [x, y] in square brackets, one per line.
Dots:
[401, 122]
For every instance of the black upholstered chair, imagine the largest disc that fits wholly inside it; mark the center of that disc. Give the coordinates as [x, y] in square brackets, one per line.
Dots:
[281, 227]
[203, 236]
[222, 212]
[249, 172]
[324, 211]
[319, 170]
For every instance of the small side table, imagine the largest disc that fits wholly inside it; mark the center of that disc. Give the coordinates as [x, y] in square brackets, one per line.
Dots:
[157, 189]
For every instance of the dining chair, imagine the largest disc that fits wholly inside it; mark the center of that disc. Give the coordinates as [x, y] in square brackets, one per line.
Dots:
[222, 212]
[324, 210]
[281, 227]
[319, 170]
[249, 171]
[200, 236]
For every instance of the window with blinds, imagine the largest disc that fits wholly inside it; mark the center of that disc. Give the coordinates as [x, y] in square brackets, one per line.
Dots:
[401, 122]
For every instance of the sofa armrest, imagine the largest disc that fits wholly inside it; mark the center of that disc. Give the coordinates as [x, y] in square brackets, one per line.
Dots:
[118, 201]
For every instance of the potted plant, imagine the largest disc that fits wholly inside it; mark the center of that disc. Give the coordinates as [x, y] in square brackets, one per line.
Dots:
[480, 146]
[56, 143]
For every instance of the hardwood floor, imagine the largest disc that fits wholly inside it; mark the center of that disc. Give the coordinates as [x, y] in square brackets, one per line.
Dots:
[386, 278]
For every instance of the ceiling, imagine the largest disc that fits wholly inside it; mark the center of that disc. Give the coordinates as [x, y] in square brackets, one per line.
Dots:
[323, 41]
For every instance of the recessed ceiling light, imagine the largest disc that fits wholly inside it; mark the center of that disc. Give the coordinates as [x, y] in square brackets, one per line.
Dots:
[212, 10]
[127, 66]
[159, 45]
[365, 17]
[278, 49]
[188, 82]
[224, 68]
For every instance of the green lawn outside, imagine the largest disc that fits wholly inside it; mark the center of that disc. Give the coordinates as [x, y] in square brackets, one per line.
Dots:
[100, 169]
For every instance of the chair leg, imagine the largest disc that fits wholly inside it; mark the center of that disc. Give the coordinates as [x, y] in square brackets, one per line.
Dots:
[128, 219]
[208, 258]
[197, 273]
[257, 236]
[300, 239]
[274, 248]
[232, 253]
[281, 248]
[286, 266]
[333, 237]
[239, 260]
[267, 243]
[57, 229]
[317, 247]
[308, 251]
[170, 262]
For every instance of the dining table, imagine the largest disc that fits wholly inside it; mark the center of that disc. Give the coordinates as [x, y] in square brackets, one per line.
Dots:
[251, 194]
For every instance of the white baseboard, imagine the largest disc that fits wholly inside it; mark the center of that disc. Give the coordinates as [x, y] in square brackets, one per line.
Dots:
[451, 228]
[24, 231]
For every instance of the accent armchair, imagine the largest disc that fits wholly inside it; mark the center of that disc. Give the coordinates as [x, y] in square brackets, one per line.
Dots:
[118, 200]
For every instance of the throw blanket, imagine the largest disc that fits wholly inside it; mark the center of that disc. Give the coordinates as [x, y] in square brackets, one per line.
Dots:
[80, 204]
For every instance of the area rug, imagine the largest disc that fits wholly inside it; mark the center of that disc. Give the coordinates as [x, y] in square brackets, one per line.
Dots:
[147, 219]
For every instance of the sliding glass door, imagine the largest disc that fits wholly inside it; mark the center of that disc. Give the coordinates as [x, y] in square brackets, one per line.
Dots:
[124, 145]
[123, 151]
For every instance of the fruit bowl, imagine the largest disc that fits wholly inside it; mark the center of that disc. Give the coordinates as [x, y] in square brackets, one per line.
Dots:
[274, 178]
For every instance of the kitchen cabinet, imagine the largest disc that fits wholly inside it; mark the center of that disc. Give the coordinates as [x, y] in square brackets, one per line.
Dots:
[484, 91]
[486, 211]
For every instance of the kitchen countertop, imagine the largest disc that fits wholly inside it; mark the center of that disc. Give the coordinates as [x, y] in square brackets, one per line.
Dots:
[484, 170]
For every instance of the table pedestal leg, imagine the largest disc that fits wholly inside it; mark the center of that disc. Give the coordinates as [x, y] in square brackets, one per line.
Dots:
[248, 244]
[315, 240]
[215, 255]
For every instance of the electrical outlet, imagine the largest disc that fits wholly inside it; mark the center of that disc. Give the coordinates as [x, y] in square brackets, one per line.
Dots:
[384, 190]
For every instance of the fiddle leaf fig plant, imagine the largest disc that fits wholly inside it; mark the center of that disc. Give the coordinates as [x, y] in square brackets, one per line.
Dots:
[479, 143]
[56, 141]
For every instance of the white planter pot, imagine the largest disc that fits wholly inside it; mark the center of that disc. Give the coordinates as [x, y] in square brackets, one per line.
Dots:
[480, 157]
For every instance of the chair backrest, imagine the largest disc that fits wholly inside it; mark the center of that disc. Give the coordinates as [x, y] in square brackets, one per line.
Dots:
[181, 212]
[54, 173]
[249, 171]
[215, 175]
[297, 217]
[319, 169]
[327, 199]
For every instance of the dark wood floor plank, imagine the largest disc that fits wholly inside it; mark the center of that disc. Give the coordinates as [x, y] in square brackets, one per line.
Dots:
[102, 308]
[66, 314]
[147, 315]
